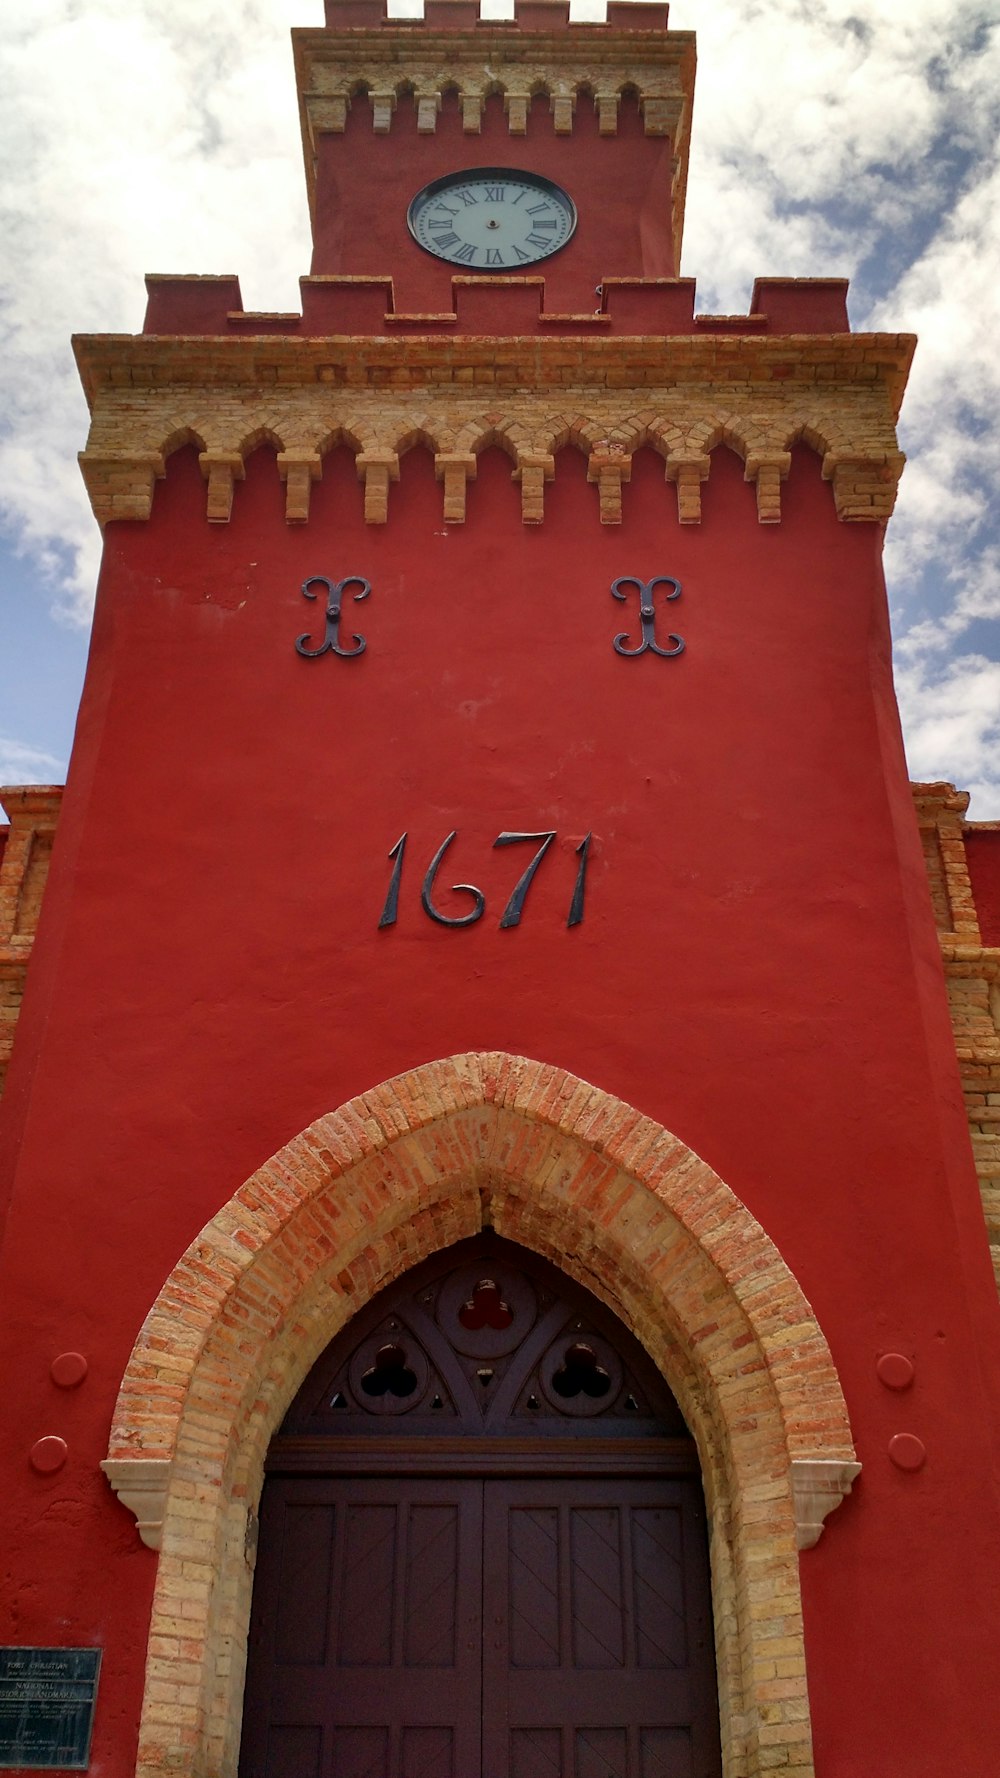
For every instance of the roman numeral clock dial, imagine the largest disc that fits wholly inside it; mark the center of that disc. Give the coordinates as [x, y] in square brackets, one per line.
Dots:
[492, 219]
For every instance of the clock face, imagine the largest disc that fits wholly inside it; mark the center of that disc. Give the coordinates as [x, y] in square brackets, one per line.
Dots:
[492, 219]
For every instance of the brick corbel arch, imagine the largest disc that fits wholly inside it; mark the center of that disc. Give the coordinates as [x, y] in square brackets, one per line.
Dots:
[365, 1193]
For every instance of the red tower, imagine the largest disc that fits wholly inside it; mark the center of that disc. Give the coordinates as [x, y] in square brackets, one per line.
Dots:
[499, 568]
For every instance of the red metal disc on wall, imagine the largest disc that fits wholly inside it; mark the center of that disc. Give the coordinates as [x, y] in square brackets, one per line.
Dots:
[895, 1370]
[68, 1369]
[907, 1451]
[49, 1454]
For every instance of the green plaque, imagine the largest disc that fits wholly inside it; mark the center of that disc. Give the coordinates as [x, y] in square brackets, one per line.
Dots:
[47, 1698]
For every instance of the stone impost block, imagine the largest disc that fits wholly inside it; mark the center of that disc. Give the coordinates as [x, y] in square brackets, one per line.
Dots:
[688, 471]
[327, 112]
[662, 115]
[609, 469]
[383, 105]
[456, 470]
[533, 471]
[563, 106]
[222, 470]
[768, 470]
[607, 113]
[120, 483]
[428, 106]
[516, 107]
[141, 1485]
[377, 469]
[298, 470]
[472, 113]
[864, 483]
[818, 1485]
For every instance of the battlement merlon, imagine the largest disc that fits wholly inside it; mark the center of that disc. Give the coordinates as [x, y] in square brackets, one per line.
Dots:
[464, 15]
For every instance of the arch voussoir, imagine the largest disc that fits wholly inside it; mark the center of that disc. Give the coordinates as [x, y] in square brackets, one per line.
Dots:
[402, 1171]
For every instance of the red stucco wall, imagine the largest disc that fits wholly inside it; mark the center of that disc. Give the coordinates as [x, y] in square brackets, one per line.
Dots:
[982, 850]
[757, 968]
[622, 193]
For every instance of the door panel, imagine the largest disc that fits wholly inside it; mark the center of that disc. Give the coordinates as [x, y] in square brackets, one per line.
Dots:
[365, 1656]
[597, 1658]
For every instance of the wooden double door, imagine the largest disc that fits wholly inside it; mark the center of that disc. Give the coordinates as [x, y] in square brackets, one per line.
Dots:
[473, 1627]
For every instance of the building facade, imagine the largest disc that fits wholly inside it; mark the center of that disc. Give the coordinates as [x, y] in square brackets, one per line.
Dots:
[497, 532]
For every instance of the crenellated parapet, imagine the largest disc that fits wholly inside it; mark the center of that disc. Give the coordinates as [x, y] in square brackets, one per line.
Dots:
[681, 396]
[365, 62]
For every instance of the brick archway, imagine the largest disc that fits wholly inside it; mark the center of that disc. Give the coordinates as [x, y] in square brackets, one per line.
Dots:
[366, 1192]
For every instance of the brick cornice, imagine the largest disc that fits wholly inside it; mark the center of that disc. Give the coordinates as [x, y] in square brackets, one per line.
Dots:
[543, 362]
[682, 394]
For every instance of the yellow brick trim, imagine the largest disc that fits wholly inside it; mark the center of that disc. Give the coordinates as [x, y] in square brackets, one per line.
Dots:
[32, 812]
[972, 979]
[762, 365]
[941, 818]
[680, 396]
[405, 1171]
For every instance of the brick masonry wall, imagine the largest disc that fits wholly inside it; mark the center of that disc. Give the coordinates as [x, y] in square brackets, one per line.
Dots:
[32, 811]
[972, 971]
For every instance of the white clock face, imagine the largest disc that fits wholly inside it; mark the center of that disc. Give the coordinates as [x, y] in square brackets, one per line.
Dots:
[492, 219]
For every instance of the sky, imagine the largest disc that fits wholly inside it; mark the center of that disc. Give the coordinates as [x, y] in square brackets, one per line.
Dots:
[855, 138]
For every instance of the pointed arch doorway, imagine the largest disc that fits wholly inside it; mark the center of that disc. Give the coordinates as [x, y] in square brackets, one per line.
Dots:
[482, 1546]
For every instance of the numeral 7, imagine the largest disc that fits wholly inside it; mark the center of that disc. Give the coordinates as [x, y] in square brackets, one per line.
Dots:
[512, 912]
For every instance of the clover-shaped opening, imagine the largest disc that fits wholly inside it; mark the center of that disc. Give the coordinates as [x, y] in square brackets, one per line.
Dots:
[390, 1374]
[486, 1308]
[580, 1374]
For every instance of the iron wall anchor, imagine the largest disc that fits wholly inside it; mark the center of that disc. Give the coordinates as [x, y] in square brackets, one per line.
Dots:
[335, 592]
[647, 614]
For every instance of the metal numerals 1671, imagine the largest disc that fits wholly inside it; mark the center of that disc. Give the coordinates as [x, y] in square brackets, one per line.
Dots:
[511, 915]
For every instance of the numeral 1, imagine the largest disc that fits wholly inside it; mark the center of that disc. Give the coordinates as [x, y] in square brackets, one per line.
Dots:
[576, 905]
[391, 908]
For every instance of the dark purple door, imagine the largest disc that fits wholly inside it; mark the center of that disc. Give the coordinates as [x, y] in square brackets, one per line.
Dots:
[481, 1629]
[597, 1652]
[365, 1655]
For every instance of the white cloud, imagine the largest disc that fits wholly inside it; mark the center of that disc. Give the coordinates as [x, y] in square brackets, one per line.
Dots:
[954, 716]
[145, 138]
[21, 764]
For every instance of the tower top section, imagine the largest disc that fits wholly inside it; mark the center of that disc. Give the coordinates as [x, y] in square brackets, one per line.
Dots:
[548, 75]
